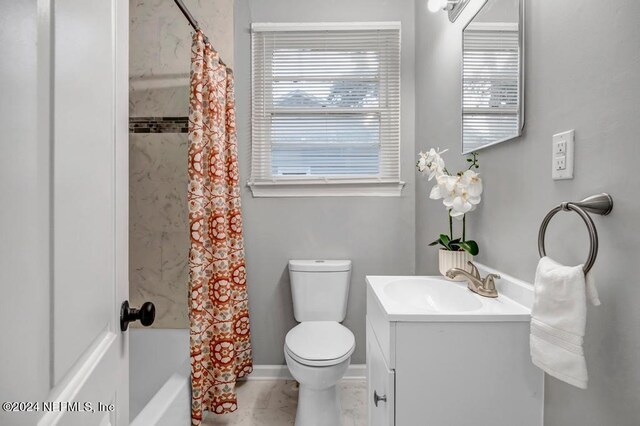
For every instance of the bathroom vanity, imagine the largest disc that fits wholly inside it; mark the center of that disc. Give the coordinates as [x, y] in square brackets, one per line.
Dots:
[438, 354]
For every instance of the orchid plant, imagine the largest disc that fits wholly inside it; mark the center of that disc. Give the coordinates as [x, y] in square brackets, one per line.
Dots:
[460, 194]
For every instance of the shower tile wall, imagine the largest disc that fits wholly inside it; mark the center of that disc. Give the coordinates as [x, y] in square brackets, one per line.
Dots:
[159, 55]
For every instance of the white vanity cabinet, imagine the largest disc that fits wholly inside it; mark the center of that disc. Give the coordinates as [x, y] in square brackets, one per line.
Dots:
[449, 370]
[380, 384]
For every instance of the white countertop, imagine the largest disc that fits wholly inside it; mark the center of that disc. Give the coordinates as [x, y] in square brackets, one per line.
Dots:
[484, 309]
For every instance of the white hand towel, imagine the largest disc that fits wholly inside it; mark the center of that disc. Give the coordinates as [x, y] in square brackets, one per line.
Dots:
[558, 319]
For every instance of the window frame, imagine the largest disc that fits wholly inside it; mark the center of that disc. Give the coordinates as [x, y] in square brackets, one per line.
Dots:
[347, 185]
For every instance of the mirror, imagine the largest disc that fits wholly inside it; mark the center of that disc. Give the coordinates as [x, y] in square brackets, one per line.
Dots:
[492, 75]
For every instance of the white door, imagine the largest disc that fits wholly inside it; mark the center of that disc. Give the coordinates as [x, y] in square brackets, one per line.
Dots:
[64, 263]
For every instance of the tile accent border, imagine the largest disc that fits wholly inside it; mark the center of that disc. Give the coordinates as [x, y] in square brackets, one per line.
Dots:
[158, 124]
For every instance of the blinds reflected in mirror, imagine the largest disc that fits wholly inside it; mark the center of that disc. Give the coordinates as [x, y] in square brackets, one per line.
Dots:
[490, 83]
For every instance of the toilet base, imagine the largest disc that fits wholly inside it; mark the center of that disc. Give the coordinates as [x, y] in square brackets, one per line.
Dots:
[318, 403]
[318, 407]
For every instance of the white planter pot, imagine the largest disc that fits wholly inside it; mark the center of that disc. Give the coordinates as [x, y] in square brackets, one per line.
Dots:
[454, 259]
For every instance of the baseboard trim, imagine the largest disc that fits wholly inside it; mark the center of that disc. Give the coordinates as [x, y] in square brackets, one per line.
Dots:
[356, 372]
[270, 372]
[281, 372]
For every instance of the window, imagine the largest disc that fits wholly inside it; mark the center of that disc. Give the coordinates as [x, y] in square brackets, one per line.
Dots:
[490, 83]
[326, 109]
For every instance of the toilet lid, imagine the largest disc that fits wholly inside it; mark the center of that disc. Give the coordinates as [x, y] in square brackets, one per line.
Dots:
[320, 341]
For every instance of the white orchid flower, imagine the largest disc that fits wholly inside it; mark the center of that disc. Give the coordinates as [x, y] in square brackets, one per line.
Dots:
[422, 162]
[464, 201]
[460, 193]
[432, 162]
[444, 186]
[473, 183]
[435, 163]
[438, 191]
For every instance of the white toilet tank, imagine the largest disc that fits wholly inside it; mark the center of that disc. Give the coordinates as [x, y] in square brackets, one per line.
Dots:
[320, 289]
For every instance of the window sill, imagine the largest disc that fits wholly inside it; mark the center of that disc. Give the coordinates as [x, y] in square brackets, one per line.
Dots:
[324, 189]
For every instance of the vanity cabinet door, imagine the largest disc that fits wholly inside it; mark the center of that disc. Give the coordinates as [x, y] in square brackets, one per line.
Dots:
[380, 384]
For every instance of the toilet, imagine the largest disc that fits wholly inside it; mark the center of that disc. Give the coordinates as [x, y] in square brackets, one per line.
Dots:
[318, 350]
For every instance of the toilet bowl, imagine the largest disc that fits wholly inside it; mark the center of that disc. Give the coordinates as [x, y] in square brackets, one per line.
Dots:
[318, 354]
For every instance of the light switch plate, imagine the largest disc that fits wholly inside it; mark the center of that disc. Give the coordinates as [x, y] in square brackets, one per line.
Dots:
[562, 155]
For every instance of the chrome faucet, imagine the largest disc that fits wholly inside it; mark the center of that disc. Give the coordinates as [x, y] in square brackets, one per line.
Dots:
[484, 287]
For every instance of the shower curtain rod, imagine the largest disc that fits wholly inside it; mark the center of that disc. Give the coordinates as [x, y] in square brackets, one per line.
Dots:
[195, 25]
[187, 15]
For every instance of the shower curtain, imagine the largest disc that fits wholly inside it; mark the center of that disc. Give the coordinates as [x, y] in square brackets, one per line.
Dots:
[218, 315]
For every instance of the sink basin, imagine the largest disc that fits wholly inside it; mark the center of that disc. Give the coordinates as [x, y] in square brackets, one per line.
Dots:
[432, 294]
[436, 299]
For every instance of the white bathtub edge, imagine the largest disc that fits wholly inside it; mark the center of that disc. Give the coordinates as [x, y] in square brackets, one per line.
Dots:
[170, 406]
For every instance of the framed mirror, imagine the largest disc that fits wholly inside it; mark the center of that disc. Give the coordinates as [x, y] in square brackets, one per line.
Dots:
[493, 75]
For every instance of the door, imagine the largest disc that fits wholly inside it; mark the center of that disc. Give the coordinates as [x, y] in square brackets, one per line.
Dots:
[65, 262]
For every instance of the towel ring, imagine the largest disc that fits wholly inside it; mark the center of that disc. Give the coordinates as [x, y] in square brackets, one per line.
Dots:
[601, 204]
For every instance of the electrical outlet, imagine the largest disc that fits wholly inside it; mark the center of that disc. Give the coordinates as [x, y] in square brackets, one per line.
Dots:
[563, 155]
[561, 147]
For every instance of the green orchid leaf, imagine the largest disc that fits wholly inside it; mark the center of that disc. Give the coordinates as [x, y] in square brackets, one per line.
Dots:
[444, 241]
[435, 243]
[471, 247]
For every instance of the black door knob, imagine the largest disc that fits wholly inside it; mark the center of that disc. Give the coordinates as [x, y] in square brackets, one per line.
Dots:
[146, 314]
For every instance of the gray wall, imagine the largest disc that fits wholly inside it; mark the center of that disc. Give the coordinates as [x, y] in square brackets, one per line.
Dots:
[582, 73]
[376, 233]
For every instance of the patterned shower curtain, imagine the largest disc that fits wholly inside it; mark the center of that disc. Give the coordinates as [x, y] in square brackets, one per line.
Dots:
[219, 317]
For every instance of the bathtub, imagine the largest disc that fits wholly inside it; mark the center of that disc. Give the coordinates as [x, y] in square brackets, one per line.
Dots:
[159, 382]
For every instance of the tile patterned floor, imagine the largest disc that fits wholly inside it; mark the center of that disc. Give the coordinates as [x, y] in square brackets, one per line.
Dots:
[274, 402]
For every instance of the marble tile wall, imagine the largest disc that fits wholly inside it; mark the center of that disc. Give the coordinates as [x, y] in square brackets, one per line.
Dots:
[159, 61]
[160, 51]
[158, 225]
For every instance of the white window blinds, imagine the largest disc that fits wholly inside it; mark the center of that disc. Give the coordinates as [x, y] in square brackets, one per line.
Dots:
[490, 83]
[326, 103]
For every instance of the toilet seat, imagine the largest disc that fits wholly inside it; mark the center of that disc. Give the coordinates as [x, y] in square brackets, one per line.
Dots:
[320, 343]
